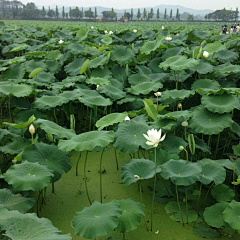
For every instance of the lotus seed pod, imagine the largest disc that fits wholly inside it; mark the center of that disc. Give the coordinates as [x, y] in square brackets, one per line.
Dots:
[31, 129]
[185, 124]
[181, 148]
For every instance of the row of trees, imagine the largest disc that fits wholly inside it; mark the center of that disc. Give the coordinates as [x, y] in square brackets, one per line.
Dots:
[223, 15]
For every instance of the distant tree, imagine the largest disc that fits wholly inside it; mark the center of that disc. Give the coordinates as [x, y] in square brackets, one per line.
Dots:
[63, 13]
[43, 12]
[89, 13]
[158, 13]
[144, 13]
[56, 12]
[95, 13]
[31, 5]
[51, 13]
[70, 12]
[76, 13]
[236, 14]
[190, 18]
[131, 14]
[66, 15]
[165, 14]
[139, 14]
[29, 14]
[177, 15]
[128, 15]
[222, 15]
[82, 12]
[171, 14]
[151, 13]
[109, 14]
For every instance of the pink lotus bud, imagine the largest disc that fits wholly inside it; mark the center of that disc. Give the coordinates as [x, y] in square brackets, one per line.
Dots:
[31, 129]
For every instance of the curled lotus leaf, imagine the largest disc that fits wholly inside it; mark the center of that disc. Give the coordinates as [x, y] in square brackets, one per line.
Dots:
[17, 90]
[177, 94]
[222, 193]
[98, 81]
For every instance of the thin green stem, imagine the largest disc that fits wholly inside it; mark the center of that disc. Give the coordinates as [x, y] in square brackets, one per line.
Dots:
[85, 178]
[78, 163]
[200, 192]
[186, 154]
[116, 158]
[53, 188]
[207, 193]
[54, 112]
[234, 170]
[154, 187]
[180, 210]
[187, 203]
[140, 183]
[216, 150]
[32, 138]
[101, 176]
[9, 108]
[124, 236]
[185, 131]
[90, 120]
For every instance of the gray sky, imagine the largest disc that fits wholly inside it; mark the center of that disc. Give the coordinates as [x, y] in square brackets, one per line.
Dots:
[120, 4]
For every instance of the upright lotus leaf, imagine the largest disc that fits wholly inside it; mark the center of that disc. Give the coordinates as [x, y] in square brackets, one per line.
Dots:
[128, 37]
[28, 176]
[214, 215]
[52, 128]
[206, 122]
[211, 172]
[49, 156]
[222, 193]
[231, 214]
[82, 34]
[22, 124]
[5, 132]
[102, 73]
[143, 168]
[129, 136]
[73, 68]
[163, 157]
[131, 215]
[113, 92]
[177, 94]
[110, 119]
[172, 143]
[179, 63]
[149, 46]
[166, 124]
[205, 84]
[28, 226]
[11, 201]
[98, 81]
[16, 146]
[227, 56]
[91, 101]
[150, 108]
[221, 103]
[35, 72]
[122, 54]
[170, 52]
[145, 88]
[214, 47]
[97, 220]
[50, 101]
[181, 172]
[17, 90]
[203, 67]
[229, 69]
[98, 61]
[87, 141]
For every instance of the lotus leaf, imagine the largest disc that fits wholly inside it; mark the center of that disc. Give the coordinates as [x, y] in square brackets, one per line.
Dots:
[214, 47]
[205, 84]
[17, 90]
[91, 101]
[138, 78]
[177, 94]
[203, 68]
[112, 92]
[163, 157]
[128, 37]
[15, 147]
[82, 34]
[73, 68]
[222, 193]
[50, 101]
[177, 114]
[102, 73]
[122, 54]
[231, 214]
[172, 143]
[229, 69]
[170, 52]
[98, 81]
[145, 88]
[227, 56]
[205, 231]
[54, 54]
[98, 61]
[149, 47]
[164, 123]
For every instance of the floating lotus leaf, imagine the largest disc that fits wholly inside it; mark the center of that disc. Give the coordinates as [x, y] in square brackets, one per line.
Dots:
[177, 94]
[206, 122]
[163, 157]
[92, 101]
[138, 78]
[181, 172]
[177, 114]
[149, 47]
[131, 215]
[229, 69]
[54, 54]
[222, 193]
[49, 156]
[129, 136]
[107, 40]
[214, 215]
[98, 81]
[223, 103]
[112, 92]
[231, 215]
[98, 61]
[82, 34]
[50, 101]
[205, 231]
[122, 54]
[206, 84]
[145, 88]
[172, 143]
[143, 168]
[52, 128]
[22, 124]
[179, 63]
[203, 67]
[128, 37]
[87, 141]
[214, 47]
[227, 56]
[97, 220]
[110, 119]
[73, 68]
[17, 90]
[11, 201]
[15, 147]
[28, 176]
[211, 172]
[28, 226]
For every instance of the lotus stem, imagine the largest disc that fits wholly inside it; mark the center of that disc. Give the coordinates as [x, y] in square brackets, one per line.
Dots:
[154, 187]
[101, 176]
[187, 204]
[85, 178]
[53, 188]
[142, 203]
[124, 236]
[78, 163]
[180, 210]
[185, 131]
[54, 112]
[234, 170]
[9, 108]
[208, 192]
[200, 192]
[116, 158]
[143, 153]
[32, 138]
[186, 154]
[45, 195]
[216, 150]
[90, 120]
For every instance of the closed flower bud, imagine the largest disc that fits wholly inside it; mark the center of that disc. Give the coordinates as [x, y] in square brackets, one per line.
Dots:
[185, 124]
[181, 148]
[31, 129]
[179, 105]
[14, 161]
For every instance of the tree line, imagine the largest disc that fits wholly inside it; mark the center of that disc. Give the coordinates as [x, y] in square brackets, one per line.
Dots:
[223, 15]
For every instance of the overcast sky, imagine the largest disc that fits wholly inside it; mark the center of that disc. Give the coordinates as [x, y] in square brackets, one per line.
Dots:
[121, 4]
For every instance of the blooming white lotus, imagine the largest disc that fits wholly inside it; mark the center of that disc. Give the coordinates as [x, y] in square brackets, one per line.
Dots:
[168, 38]
[110, 32]
[92, 27]
[163, 27]
[157, 94]
[97, 87]
[127, 118]
[135, 30]
[106, 31]
[60, 41]
[154, 137]
[206, 54]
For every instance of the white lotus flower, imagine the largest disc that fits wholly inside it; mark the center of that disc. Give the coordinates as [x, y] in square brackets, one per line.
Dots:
[163, 27]
[110, 32]
[206, 54]
[92, 27]
[135, 30]
[97, 87]
[154, 137]
[157, 94]
[106, 31]
[32, 129]
[168, 38]
[60, 41]
[127, 118]
[157, 232]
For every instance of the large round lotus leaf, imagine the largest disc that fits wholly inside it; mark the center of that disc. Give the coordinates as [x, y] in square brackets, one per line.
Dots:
[50, 101]
[110, 119]
[229, 69]
[227, 56]
[145, 88]
[21, 125]
[205, 231]
[28, 226]
[52, 128]
[203, 68]
[128, 37]
[129, 136]
[148, 34]
[17, 90]
[172, 143]
[112, 92]
[14, 72]
[82, 34]
[11, 201]
[231, 214]
[143, 168]
[49, 156]
[131, 215]
[214, 47]
[76, 48]
[211, 172]
[177, 94]
[43, 79]
[119, 73]
[222, 193]
[122, 55]
[153, 65]
[164, 123]
[201, 35]
[149, 47]
[177, 114]
[179, 63]
[206, 122]
[92, 101]
[214, 215]
[138, 78]
[163, 157]
[221, 103]
[53, 66]
[31, 65]
[54, 54]
[87, 141]
[181, 172]
[205, 84]
[98, 81]
[97, 220]
[102, 73]
[16, 146]
[28, 176]
[73, 68]
[98, 61]
[107, 40]
[170, 52]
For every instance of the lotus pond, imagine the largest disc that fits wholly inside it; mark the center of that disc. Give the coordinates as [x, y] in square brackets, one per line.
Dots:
[119, 131]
